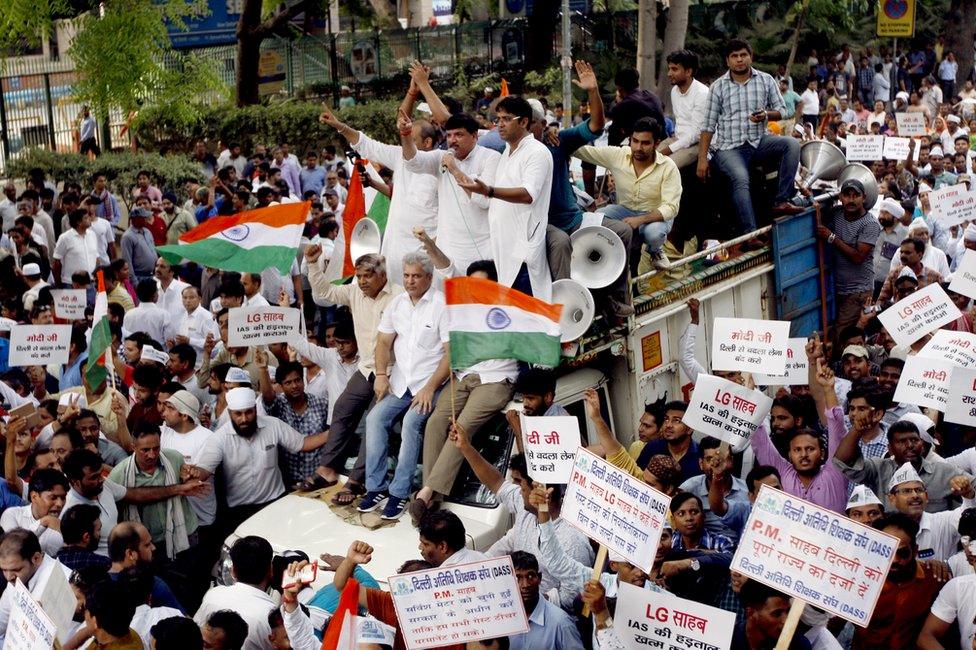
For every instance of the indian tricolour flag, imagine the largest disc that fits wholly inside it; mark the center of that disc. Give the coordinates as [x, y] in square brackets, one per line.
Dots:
[101, 339]
[488, 320]
[249, 242]
[341, 266]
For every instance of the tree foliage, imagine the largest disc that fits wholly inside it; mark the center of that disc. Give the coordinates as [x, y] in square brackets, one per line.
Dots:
[22, 22]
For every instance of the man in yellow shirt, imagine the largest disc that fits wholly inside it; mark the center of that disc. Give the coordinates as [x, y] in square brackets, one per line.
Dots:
[648, 185]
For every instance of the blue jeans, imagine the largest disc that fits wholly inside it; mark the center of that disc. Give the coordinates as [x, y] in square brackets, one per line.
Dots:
[379, 423]
[734, 164]
[654, 234]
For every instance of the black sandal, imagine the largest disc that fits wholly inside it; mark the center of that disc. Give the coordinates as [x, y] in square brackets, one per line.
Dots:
[348, 494]
[314, 482]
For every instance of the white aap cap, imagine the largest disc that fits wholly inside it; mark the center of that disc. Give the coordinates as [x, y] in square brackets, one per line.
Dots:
[862, 496]
[904, 474]
[237, 375]
[149, 353]
[241, 399]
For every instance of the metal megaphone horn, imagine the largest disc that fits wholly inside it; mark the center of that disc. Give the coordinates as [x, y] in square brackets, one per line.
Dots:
[578, 308]
[365, 238]
[822, 160]
[598, 256]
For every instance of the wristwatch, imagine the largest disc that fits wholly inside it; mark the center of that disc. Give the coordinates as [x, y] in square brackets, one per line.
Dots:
[830, 240]
[695, 564]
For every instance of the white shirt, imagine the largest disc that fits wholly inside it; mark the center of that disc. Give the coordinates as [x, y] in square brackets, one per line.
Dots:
[257, 300]
[251, 464]
[957, 602]
[938, 533]
[150, 318]
[111, 492]
[22, 517]
[464, 556]
[76, 252]
[146, 616]
[8, 211]
[461, 228]
[35, 586]
[252, 604]
[413, 204]
[689, 114]
[811, 102]
[933, 257]
[171, 299]
[518, 230]
[105, 234]
[337, 373]
[190, 445]
[30, 296]
[417, 348]
[196, 326]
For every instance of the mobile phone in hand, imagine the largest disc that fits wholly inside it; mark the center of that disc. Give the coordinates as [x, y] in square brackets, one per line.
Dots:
[305, 576]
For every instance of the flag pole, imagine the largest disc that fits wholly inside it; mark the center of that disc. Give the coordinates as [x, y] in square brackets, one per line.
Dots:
[111, 365]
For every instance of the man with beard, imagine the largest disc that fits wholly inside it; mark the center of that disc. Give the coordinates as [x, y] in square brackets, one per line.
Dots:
[893, 232]
[866, 406]
[912, 251]
[889, 373]
[786, 415]
[178, 221]
[130, 545]
[247, 447]
[81, 529]
[675, 442]
[716, 467]
[21, 559]
[549, 626]
[907, 595]
[806, 474]
[855, 363]
[47, 490]
[938, 532]
[905, 445]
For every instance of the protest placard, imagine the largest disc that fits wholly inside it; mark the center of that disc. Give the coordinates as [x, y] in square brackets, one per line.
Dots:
[39, 345]
[646, 618]
[69, 304]
[460, 603]
[550, 447]
[796, 367]
[916, 315]
[961, 403]
[261, 325]
[910, 124]
[958, 348]
[896, 148]
[865, 147]
[750, 345]
[29, 626]
[815, 554]
[924, 382]
[964, 279]
[725, 410]
[613, 508]
[952, 205]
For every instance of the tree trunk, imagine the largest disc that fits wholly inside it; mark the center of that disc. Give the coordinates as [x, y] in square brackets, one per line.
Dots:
[674, 39]
[796, 37]
[542, 28]
[248, 52]
[646, 42]
[384, 17]
[960, 30]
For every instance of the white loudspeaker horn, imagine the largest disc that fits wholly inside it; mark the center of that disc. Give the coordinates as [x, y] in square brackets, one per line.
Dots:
[598, 256]
[578, 308]
[365, 238]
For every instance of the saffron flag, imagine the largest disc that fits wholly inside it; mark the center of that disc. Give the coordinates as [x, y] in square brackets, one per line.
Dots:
[96, 370]
[503, 92]
[341, 265]
[488, 320]
[249, 242]
[348, 604]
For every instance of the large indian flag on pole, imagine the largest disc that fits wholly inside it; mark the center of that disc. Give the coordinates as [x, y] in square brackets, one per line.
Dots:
[488, 320]
[101, 338]
[249, 242]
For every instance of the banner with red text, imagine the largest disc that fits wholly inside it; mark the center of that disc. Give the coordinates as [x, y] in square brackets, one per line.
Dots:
[260, 325]
[725, 410]
[796, 367]
[924, 382]
[750, 345]
[916, 315]
[657, 619]
[550, 447]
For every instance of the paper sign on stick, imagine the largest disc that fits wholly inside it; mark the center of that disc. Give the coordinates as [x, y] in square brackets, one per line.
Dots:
[750, 345]
[39, 345]
[814, 554]
[796, 367]
[952, 205]
[260, 325]
[961, 404]
[725, 410]
[550, 447]
[613, 508]
[896, 148]
[964, 279]
[958, 348]
[865, 147]
[910, 124]
[924, 382]
[916, 315]
[69, 304]
[645, 618]
[460, 603]
[29, 626]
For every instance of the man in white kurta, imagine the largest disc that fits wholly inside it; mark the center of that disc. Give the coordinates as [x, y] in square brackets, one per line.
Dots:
[462, 226]
[519, 207]
[414, 202]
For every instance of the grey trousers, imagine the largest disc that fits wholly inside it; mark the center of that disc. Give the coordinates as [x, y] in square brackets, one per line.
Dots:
[342, 442]
[560, 253]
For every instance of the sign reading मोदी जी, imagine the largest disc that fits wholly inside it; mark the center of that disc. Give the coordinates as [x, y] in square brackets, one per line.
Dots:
[958, 348]
[39, 345]
[865, 147]
[750, 345]
[815, 554]
[657, 619]
[460, 603]
[910, 124]
[725, 410]
[69, 304]
[916, 315]
[550, 447]
[612, 507]
[260, 325]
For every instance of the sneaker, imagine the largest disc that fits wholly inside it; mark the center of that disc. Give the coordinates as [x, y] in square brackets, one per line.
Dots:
[659, 260]
[395, 507]
[417, 510]
[372, 501]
